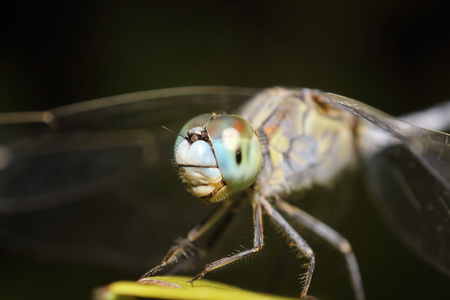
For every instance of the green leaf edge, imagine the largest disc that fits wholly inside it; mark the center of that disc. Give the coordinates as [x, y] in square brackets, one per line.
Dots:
[179, 288]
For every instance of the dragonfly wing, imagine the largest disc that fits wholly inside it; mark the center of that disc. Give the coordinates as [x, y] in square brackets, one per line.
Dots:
[409, 171]
[90, 143]
[111, 153]
[413, 202]
[51, 169]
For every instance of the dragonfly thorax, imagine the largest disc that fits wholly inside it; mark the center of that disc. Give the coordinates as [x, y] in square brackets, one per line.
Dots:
[217, 155]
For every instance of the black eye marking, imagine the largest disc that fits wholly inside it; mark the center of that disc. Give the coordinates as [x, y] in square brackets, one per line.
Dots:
[238, 156]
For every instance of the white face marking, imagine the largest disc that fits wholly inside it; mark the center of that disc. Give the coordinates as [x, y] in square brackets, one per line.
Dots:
[197, 154]
[196, 130]
[231, 138]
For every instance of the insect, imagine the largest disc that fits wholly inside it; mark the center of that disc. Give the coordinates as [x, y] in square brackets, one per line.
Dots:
[295, 137]
[289, 140]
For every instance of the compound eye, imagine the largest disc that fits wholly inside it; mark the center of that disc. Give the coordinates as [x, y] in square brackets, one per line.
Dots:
[237, 150]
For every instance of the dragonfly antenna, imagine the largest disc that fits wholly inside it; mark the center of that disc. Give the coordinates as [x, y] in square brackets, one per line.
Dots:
[170, 130]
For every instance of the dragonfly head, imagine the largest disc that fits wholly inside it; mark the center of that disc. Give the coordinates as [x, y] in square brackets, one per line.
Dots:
[217, 155]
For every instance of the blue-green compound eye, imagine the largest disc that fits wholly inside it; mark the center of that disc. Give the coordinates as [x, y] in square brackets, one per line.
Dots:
[237, 150]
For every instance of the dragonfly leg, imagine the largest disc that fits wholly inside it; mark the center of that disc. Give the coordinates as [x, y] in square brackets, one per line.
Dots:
[182, 247]
[330, 236]
[257, 244]
[296, 240]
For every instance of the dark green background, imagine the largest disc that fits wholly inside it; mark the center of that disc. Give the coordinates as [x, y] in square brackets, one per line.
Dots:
[394, 55]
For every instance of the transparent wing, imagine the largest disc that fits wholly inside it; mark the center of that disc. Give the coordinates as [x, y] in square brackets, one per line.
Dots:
[111, 153]
[409, 170]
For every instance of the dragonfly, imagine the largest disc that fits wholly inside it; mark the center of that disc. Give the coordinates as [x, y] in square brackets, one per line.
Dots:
[296, 138]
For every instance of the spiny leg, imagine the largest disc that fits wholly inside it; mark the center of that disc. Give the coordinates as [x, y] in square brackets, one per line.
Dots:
[299, 242]
[330, 236]
[212, 238]
[228, 207]
[257, 244]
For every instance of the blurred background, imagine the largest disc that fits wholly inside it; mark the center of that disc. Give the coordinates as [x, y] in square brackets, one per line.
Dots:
[393, 55]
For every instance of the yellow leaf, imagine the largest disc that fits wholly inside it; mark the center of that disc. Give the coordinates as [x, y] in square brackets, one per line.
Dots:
[177, 287]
